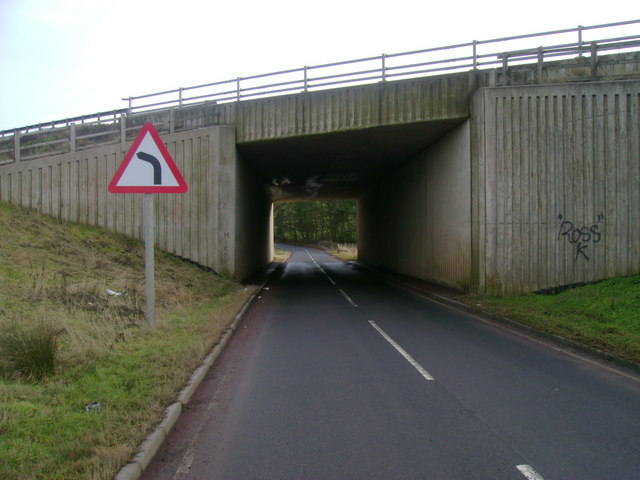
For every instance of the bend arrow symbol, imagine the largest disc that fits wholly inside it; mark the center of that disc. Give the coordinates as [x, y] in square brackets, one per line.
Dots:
[155, 163]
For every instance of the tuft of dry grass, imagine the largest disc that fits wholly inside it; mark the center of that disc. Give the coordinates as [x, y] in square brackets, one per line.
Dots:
[30, 352]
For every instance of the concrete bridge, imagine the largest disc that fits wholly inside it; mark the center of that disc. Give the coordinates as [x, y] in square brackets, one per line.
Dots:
[502, 180]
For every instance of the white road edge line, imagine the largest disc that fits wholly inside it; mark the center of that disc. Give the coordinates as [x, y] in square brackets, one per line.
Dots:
[347, 297]
[529, 472]
[402, 352]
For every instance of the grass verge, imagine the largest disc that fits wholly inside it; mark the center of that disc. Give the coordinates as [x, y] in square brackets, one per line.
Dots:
[345, 252]
[281, 255]
[603, 315]
[112, 377]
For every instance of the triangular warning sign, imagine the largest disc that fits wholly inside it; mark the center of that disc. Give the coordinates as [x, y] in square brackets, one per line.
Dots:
[148, 167]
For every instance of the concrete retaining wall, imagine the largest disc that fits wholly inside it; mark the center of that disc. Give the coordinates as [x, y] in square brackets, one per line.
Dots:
[556, 185]
[214, 224]
[418, 221]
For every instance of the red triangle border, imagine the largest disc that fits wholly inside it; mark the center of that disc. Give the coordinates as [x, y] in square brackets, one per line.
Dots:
[182, 186]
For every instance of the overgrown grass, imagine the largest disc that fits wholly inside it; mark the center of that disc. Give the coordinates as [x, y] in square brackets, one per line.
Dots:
[347, 252]
[604, 315]
[62, 275]
[29, 352]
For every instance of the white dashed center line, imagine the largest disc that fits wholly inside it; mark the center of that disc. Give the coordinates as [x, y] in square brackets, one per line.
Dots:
[402, 352]
[321, 269]
[347, 298]
[526, 470]
[529, 472]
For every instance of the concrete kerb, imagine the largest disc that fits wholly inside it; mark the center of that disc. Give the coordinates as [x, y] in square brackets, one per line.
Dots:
[150, 446]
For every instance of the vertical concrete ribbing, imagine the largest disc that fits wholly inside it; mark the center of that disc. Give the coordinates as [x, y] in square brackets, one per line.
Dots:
[74, 187]
[566, 176]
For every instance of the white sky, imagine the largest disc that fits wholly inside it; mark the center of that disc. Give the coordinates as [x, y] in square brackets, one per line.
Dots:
[64, 58]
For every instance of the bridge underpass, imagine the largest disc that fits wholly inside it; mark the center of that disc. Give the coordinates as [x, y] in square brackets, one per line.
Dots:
[459, 180]
[425, 222]
[337, 165]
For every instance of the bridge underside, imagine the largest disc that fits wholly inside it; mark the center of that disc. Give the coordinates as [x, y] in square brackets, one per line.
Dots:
[337, 165]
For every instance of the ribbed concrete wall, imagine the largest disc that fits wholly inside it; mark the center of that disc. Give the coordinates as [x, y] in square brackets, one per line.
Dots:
[418, 220]
[556, 185]
[209, 224]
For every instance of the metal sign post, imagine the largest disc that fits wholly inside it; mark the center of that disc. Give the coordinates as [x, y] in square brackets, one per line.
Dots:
[149, 261]
[148, 168]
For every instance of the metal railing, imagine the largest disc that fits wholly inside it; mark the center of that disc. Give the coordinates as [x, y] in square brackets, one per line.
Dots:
[53, 138]
[499, 53]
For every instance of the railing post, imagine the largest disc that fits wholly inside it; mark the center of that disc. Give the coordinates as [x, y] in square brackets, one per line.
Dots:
[130, 105]
[306, 79]
[540, 62]
[16, 145]
[475, 54]
[123, 131]
[238, 89]
[180, 96]
[580, 27]
[505, 69]
[384, 67]
[172, 127]
[72, 137]
[594, 61]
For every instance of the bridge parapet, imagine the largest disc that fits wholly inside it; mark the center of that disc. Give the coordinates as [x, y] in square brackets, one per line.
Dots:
[297, 101]
[341, 109]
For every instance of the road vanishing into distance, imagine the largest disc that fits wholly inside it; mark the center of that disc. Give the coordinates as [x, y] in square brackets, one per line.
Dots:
[335, 375]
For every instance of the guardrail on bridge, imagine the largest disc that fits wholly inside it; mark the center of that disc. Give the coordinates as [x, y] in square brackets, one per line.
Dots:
[69, 135]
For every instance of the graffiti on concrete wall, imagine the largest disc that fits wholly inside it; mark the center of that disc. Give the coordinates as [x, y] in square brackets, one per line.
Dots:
[580, 237]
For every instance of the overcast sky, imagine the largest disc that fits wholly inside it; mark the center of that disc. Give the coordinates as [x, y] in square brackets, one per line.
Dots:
[63, 58]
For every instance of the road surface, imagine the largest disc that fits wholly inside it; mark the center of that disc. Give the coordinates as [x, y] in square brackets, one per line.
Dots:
[333, 375]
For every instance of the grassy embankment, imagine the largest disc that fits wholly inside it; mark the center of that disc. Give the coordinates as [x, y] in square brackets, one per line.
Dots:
[55, 279]
[603, 315]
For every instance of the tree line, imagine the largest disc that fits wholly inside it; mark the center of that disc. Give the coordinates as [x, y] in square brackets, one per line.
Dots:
[314, 222]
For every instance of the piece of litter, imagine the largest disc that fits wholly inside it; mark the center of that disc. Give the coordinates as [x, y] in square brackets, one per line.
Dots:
[92, 406]
[266, 288]
[259, 297]
[112, 293]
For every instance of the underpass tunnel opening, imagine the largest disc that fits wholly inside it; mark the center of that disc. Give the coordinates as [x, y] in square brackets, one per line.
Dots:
[329, 224]
[409, 187]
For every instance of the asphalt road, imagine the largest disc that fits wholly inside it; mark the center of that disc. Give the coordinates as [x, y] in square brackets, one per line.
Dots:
[333, 375]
